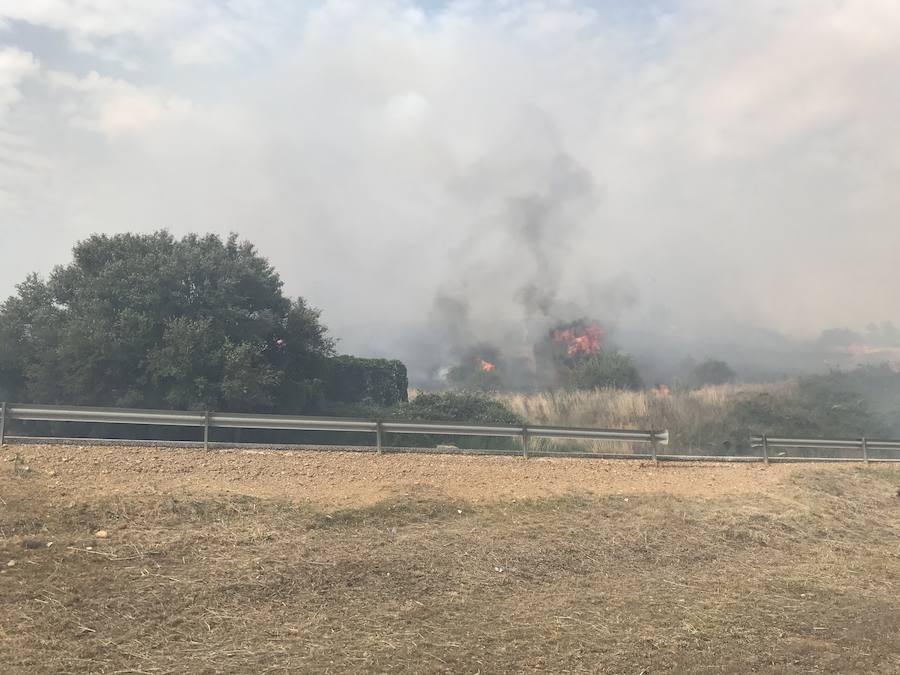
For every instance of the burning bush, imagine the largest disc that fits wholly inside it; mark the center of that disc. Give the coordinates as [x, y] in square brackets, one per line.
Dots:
[570, 355]
[573, 355]
[574, 342]
[480, 370]
[577, 340]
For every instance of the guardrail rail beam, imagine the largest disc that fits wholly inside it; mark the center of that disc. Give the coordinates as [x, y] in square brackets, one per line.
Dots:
[206, 420]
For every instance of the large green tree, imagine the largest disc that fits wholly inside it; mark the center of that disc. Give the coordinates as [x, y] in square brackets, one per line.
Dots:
[150, 320]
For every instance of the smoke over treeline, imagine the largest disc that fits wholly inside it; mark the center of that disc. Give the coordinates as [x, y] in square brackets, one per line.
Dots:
[519, 272]
[701, 179]
[524, 269]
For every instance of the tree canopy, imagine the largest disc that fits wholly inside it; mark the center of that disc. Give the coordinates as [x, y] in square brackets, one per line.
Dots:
[154, 321]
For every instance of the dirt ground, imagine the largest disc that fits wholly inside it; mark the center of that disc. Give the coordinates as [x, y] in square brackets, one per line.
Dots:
[332, 480]
[265, 562]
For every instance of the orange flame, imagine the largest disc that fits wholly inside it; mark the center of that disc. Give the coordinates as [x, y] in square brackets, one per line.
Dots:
[580, 339]
[485, 366]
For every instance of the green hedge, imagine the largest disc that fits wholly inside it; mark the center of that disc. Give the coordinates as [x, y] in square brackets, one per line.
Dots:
[463, 407]
[378, 382]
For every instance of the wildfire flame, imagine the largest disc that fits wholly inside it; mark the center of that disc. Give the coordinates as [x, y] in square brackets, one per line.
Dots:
[579, 338]
[485, 366]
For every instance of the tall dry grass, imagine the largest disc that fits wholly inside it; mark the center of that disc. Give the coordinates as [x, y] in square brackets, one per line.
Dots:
[694, 418]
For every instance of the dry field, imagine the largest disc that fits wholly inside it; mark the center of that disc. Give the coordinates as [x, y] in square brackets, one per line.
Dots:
[623, 409]
[694, 418]
[264, 562]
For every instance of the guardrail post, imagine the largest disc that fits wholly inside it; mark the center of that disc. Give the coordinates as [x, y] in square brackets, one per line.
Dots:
[765, 448]
[379, 436]
[653, 443]
[865, 449]
[2, 424]
[525, 442]
[206, 430]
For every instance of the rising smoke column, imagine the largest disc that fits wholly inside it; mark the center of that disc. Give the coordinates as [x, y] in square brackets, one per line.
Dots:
[512, 273]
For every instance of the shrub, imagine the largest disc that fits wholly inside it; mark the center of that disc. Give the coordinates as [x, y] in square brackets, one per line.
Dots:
[710, 372]
[862, 402]
[463, 407]
[457, 407]
[605, 370]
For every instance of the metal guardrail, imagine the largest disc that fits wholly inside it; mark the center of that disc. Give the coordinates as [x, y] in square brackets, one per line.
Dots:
[864, 445]
[209, 420]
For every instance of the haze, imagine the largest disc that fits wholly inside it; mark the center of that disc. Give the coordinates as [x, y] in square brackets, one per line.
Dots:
[696, 174]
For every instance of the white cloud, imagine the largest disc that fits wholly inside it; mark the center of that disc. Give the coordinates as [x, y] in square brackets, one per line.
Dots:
[113, 106]
[90, 19]
[187, 31]
[15, 66]
[212, 44]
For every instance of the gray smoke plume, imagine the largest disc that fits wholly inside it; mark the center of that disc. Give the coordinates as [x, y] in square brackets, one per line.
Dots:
[512, 276]
[698, 178]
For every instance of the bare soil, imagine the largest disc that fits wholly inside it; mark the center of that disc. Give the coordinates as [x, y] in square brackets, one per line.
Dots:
[330, 480]
[238, 562]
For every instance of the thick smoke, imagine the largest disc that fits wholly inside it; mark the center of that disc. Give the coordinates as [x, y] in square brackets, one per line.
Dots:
[702, 180]
[512, 277]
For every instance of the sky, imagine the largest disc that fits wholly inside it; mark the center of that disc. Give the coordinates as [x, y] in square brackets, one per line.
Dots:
[432, 174]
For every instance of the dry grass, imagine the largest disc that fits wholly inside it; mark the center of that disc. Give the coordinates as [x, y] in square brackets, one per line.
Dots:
[805, 579]
[617, 409]
[693, 417]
